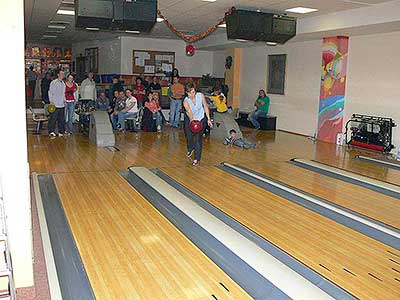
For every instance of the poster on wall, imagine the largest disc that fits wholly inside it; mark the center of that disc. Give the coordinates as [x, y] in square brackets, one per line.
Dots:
[68, 54]
[46, 52]
[276, 74]
[57, 52]
[35, 52]
[332, 90]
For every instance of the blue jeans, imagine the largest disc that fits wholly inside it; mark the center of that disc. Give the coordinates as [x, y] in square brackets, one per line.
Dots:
[175, 113]
[122, 116]
[253, 116]
[69, 116]
[157, 115]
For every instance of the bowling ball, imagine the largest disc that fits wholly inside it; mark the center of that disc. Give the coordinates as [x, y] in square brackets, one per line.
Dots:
[51, 108]
[195, 126]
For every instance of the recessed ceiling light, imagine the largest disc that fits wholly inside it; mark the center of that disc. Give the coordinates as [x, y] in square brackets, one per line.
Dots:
[66, 12]
[47, 36]
[272, 43]
[222, 25]
[258, 10]
[60, 22]
[160, 19]
[132, 31]
[93, 28]
[301, 10]
[56, 26]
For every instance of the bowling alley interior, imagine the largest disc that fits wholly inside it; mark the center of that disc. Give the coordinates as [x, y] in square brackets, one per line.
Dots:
[200, 150]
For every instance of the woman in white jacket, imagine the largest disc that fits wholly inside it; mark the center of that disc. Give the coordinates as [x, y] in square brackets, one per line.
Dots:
[88, 88]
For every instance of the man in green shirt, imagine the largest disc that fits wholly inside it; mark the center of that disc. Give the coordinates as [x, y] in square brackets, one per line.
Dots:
[262, 106]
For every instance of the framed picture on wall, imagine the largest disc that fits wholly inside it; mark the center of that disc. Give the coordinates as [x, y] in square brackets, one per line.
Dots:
[276, 74]
[92, 60]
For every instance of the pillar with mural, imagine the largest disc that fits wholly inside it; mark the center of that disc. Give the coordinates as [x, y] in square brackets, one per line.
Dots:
[333, 88]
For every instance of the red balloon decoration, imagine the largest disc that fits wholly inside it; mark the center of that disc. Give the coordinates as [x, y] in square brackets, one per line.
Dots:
[190, 49]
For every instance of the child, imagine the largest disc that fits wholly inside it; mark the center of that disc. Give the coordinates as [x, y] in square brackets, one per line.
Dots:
[233, 139]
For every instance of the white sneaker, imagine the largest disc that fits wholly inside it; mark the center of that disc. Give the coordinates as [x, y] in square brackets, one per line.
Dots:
[52, 135]
[60, 134]
[159, 128]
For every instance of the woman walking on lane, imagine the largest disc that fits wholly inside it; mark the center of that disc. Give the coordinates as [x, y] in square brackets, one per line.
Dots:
[196, 109]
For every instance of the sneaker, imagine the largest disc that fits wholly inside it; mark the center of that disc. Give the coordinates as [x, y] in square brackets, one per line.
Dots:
[52, 135]
[195, 163]
[60, 134]
[190, 153]
[159, 128]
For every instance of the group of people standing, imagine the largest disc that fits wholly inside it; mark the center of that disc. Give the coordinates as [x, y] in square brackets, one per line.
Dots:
[63, 94]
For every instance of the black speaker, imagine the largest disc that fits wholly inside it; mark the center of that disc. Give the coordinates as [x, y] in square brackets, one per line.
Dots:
[94, 13]
[258, 26]
[137, 15]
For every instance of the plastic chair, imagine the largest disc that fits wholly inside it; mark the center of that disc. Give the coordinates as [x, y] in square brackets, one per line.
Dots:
[38, 116]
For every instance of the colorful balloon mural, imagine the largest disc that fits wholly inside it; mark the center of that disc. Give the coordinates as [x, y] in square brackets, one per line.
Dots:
[332, 91]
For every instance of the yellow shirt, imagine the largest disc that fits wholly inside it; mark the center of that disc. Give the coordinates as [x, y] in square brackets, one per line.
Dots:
[220, 102]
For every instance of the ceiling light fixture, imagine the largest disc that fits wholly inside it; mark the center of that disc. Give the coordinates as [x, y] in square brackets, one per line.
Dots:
[209, 0]
[132, 31]
[56, 26]
[222, 25]
[271, 44]
[301, 10]
[60, 22]
[66, 12]
[240, 40]
[160, 20]
[47, 36]
[92, 28]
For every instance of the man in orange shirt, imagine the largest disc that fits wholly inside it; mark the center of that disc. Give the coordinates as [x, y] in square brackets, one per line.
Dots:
[177, 93]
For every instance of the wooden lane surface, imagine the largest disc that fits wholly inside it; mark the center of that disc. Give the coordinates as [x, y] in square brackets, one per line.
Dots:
[375, 205]
[130, 251]
[360, 265]
[364, 168]
[77, 154]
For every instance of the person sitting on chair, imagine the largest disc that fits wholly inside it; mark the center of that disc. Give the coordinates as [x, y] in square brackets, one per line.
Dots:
[120, 104]
[153, 105]
[262, 106]
[130, 111]
[103, 103]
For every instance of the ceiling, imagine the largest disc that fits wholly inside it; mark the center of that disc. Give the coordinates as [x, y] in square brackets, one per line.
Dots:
[190, 16]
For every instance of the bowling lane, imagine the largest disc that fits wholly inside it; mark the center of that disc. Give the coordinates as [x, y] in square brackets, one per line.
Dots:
[362, 266]
[372, 204]
[129, 250]
[363, 168]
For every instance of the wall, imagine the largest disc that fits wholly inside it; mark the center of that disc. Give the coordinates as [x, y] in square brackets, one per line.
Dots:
[296, 111]
[109, 53]
[373, 77]
[14, 168]
[219, 63]
[372, 82]
[197, 65]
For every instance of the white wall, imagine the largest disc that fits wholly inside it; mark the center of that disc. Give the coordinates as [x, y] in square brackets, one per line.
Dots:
[296, 111]
[14, 168]
[219, 63]
[109, 54]
[374, 77]
[196, 65]
[115, 55]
